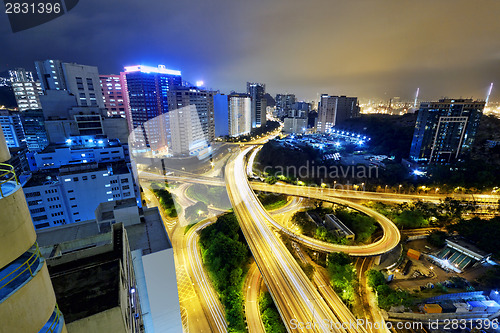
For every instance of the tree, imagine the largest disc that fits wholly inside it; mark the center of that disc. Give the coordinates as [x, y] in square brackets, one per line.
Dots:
[271, 180]
[375, 278]
[437, 238]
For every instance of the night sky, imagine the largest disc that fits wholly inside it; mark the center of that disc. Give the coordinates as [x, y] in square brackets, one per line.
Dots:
[364, 48]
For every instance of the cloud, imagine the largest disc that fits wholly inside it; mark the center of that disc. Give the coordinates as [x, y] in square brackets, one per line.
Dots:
[363, 47]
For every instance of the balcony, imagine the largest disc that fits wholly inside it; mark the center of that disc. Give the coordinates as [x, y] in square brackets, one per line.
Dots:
[55, 322]
[8, 179]
[19, 272]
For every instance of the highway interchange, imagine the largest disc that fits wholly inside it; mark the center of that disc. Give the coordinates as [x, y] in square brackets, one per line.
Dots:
[297, 298]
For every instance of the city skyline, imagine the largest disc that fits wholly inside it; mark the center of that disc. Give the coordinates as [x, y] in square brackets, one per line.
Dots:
[386, 49]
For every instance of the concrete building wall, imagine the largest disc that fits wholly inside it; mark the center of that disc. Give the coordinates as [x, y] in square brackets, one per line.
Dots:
[114, 94]
[83, 82]
[66, 198]
[107, 321]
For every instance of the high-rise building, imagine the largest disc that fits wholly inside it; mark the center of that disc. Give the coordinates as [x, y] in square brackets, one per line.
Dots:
[27, 91]
[294, 125]
[232, 115]
[35, 134]
[191, 118]
[80, 80]
[24, 129]
[51, 74]
[284, 103]
[58, 197]
[147, 89]
[27, 299]
[114, 95]
[445, 130]
[64, 119]
[259, 103]
[12, 128]
[333, 110]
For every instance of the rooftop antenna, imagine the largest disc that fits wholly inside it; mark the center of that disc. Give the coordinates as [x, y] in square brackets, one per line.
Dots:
[416, 98]
[489, 93]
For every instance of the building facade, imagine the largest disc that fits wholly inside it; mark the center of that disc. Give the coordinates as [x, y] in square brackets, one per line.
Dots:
[259, 103]
[114, 92]
[147, 91]
[12, 128]
[233, 115]
[27, 91]
[51, 74]
[334, 110]
[295, 125]
[82, 81]
[81, 150]
[35, 134]
[445, 130]
[27, 299]
[191, 121]
[284, 103]
[62, 197]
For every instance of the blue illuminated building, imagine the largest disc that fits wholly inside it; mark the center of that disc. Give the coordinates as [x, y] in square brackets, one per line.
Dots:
[147, 89]
[445, 130]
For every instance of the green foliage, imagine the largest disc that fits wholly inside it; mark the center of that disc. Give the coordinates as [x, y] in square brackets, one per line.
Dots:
[362, 225]
[411, 219]
[166, 201]
[226, 256]
[270, 315]
[342, 275]
[421, 214]
[490, 279]
[375, 278]
[309, 228]
[272, 200]
[437, 238]
[485, 233]
[326, 236]
[271, 180]
[388, 297]
[486, 175]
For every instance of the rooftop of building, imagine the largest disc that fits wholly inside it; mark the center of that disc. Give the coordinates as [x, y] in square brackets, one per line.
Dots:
[45, 177]
[88, 273]
[117, 167]
[90, 145]
[467, 245]
[106, 209]
[149, 235]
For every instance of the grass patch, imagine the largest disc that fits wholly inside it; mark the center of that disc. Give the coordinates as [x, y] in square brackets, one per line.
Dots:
[210, 195]
[272, 201]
